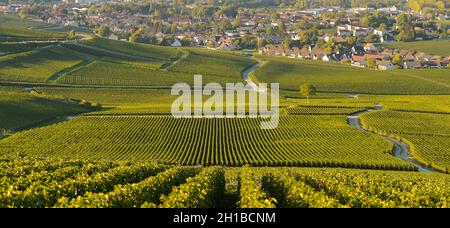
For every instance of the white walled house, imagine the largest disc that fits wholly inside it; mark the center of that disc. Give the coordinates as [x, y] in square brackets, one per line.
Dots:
[176, 43]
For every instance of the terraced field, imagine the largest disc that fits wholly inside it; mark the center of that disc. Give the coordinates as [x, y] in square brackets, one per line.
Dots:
[334, 77]
[73, 183]
[428, 134]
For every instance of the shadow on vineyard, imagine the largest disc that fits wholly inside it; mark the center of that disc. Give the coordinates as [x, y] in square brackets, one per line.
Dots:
[75, 183]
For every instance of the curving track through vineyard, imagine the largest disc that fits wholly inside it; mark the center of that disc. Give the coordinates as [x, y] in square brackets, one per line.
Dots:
[401, 150]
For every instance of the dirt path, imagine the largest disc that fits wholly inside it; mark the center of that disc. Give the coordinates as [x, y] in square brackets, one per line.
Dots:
[400, 150]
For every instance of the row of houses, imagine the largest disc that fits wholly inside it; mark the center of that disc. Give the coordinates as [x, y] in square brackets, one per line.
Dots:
[360, 56]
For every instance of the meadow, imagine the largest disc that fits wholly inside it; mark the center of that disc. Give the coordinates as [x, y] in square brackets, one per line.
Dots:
[81, 184]
[434, 47]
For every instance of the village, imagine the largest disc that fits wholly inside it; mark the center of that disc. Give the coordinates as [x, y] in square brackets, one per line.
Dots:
[348, 35]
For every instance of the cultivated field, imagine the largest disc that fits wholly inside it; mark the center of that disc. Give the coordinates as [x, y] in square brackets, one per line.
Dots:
[110, 184]
[434, 47]
[19, 110]
[329, 77]
[88, 124]
[428, 134]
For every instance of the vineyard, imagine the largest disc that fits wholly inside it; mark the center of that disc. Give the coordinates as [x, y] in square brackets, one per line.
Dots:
[142, 50]
[329, 77]
[73, 183]
[12, 28]
[19, 110]
[300, 140]
[428, 134]
[435, 47]
[37, 65]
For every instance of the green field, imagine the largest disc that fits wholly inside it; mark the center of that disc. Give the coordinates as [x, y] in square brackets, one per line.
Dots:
[434, 47]
[11, 48]
[12, 28]
[75, 184]
[142, 50]
[300, 140]
[88, 124]
[333, 77]
[19, 110]
[428, 134]
[38, 65]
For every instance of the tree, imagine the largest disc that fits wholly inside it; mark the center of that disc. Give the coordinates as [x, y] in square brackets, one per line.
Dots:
[307, 90]
[103, 31]
[369, 38]
[281, 28]
[396, 60]
[71, 34]
[262, 43]
[372, 63]
[286, 42]
[23, 13]
[236, 22]
[136, 37]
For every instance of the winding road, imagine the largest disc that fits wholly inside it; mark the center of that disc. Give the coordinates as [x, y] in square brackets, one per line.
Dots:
[400, 150]
[246, 77]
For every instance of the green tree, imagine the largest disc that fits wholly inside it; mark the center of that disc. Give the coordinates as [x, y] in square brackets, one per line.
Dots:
[136, 37]
[262, 43]
[71, 34]
[103, 31]
[307, 90]
[281, 28]
[372, 63]
[236, 22]
[23, 13]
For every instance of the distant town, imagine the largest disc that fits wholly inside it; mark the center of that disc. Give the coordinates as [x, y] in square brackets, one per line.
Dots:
[352, 36]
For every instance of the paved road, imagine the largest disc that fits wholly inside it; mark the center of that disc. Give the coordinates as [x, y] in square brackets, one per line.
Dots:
[400, 150]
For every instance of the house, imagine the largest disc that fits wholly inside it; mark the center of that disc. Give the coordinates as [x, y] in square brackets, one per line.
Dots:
[412, 65]
[387, 38]
[431, 64]
[176, 43]
[232, 34]
[226, 45]
[317, 54]
[379, 33]
[385, 65]
[370, 48]
[344, 33]
[360, 64]
[305, 53]
[327, 57]
[294, 53]
[113, 37]
[360, 32]
[358, 50]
